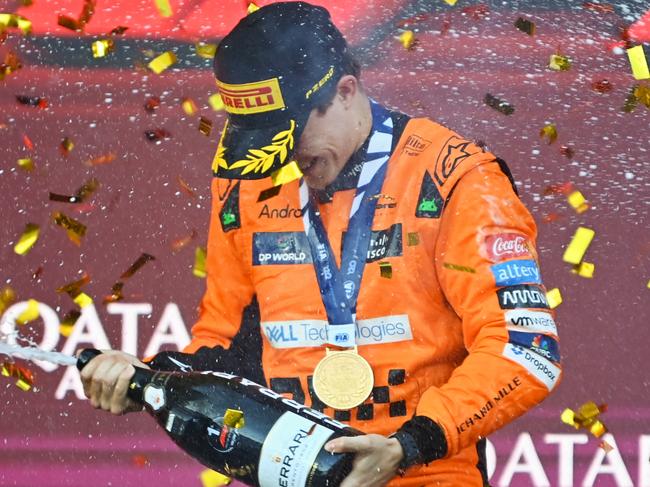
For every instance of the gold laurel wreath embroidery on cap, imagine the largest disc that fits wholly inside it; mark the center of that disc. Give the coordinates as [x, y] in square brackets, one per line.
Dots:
[219, 160]
[260, 160]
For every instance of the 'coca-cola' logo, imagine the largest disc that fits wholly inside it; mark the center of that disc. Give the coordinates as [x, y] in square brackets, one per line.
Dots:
[502, 246]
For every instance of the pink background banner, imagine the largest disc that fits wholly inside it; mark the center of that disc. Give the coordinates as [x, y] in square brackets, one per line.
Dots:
[51, 437]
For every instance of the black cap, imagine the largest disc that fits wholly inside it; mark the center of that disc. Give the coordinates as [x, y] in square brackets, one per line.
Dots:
[272, 69]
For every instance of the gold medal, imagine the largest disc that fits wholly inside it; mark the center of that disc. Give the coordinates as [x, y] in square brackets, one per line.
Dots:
[343, 380]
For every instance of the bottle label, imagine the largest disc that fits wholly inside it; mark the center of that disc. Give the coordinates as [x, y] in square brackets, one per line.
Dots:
[289, 451]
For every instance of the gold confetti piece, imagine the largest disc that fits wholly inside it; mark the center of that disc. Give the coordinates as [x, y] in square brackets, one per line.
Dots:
[82, 300]
[549, 131]
[642, 94]
[216, 102]
[205, 126]
[116, 293]
[8, 21]
[286, 174]
[186, 188]
[526, 26]
[252, 7]
[66, 146]
[74, 288]
[451, 2]
[413, 239]
[386, 270]
[234, 418]
[586, 417]
[30, 314]
[162, 62]
[605, 446]
[7, 298]
[578, 202]
[639, 57]
[27, 239]
[188, 105]
[24, 385]
[648, 285]
[554, 298]
[584, 269]
[24, 376]
[181, 243]
[578, 245]
[69, 23]
[407, 38]
[102, 47]
[118, 31]
[68, 322]
[204, 50]
[456, 267]
[27, 164]
[164, 9]
[559, 63]
[210, 478]
[137, 265]
[105, 159]
[498, 104]
[269, 193]
[75, 229]
[199, 262]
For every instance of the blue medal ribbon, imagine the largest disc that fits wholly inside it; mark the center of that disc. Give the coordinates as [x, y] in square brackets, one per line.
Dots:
[340, 287]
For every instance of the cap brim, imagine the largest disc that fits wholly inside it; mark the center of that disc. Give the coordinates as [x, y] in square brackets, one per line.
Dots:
[246, 153]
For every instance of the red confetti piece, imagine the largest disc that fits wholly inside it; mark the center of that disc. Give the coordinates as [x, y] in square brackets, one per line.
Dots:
[567, 151]
[477, 12]
[563, 188]
[157, 135]
[141, 461]
[602, 8]
[28, 142]
[152, 104]
[602, 86]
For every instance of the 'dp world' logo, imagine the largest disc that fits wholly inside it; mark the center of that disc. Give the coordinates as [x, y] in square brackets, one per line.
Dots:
[261, 96]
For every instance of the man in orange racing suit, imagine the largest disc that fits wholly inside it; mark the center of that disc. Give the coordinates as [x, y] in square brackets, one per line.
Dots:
[390, 237]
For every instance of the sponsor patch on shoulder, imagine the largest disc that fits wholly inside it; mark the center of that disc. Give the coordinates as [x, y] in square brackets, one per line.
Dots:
[531, 321]
[513, 272]
[273, 248]
[538, 366]
[504, 246]
[522, 296]
[541, 344]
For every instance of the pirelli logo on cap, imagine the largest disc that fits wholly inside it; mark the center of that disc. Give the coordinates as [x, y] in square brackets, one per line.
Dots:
[249, 98]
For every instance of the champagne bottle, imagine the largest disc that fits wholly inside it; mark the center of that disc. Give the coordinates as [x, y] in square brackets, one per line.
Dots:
[241, 429]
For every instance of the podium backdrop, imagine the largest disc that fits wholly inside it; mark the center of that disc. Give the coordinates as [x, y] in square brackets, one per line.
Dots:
[51, 437]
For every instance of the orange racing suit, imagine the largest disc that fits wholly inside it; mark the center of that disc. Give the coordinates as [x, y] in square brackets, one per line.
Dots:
[451, 313]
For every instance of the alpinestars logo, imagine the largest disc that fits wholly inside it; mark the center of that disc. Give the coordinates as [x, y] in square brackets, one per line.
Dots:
[229, 214]
[453, 153]
[430, 202]
[522, 296]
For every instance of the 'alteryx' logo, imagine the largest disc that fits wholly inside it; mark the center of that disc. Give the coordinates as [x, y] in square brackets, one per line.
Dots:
[513, 272]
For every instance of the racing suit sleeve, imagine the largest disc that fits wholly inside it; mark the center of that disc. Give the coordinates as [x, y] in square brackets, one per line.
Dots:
[229, 288]
[503, 374]
[229, 292]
